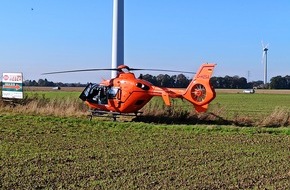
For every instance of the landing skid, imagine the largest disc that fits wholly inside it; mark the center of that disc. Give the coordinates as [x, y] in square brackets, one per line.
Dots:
[113, 115]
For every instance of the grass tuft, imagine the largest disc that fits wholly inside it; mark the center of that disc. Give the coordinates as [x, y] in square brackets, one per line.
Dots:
[279, 117]
[66, 106]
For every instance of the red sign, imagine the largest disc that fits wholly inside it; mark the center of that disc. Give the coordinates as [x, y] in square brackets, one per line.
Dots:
[17, 87]
[5, 77]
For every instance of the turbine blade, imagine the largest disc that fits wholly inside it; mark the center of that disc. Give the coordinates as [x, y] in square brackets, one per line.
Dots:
[263, 57]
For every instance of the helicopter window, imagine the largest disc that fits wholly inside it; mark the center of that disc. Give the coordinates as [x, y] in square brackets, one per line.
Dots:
[142, 86]
[95, 93]
[103, 99]
[112, 92]
[89, 91]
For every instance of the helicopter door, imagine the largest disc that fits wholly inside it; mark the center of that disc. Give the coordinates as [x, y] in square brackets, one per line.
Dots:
[95, 93]
[89, 92]
[114, 97]
[103, 96]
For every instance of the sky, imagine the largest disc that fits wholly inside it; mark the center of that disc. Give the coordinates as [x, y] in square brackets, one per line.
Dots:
[38, 36]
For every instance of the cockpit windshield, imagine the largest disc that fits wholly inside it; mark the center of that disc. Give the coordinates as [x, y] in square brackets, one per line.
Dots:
[98, 94]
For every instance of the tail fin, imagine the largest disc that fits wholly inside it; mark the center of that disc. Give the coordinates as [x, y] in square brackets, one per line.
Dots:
[199, 92]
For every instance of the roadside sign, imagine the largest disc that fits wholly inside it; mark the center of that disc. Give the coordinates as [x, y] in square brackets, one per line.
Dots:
[12, 85]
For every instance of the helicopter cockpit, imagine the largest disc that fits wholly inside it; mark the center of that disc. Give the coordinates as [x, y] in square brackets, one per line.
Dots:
[99, 94]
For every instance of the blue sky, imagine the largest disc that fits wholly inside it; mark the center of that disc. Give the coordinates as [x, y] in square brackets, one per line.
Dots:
[165, 34]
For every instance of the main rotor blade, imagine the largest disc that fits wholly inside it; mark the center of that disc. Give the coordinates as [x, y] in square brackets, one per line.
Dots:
[80, 70]
[163, 70]
[116, 69]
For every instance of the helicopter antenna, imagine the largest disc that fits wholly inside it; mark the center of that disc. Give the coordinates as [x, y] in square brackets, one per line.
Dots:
[118, 36]
[265, 60]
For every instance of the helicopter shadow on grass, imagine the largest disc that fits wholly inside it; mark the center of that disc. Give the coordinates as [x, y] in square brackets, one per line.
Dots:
[203, 119]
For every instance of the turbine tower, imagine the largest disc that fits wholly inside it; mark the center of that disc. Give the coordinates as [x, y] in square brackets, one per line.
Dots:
[118, 35]
[265, 60]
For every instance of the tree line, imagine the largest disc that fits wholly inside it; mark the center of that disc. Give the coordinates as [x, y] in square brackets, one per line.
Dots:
[227, 82]
[45, 82]
[280, 82]
[181, 81]
[234, 82]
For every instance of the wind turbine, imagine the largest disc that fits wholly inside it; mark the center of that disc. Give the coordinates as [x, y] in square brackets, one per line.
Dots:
[118, 36]
[265, 60]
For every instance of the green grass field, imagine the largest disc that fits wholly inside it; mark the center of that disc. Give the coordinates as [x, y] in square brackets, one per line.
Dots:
[53, 94]
[40, 152]
[252, 105]
[50, 144]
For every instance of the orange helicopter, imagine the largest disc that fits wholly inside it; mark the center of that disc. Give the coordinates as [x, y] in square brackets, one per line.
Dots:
[127, 94]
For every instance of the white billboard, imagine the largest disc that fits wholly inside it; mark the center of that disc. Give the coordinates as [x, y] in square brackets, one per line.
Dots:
[12, 85]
